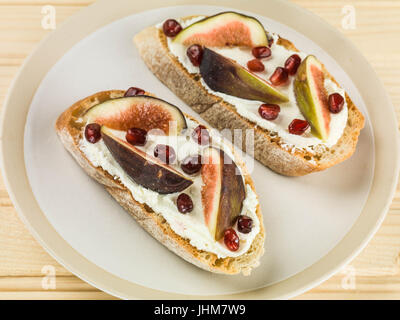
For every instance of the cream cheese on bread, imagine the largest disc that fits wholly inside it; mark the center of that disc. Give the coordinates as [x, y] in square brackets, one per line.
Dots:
[249, 109]
[190, 226]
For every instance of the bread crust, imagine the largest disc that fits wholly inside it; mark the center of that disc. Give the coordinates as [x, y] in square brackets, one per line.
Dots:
[153, 48]
[70, 130]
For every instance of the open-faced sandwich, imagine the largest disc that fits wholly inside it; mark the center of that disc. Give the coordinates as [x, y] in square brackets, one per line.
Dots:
[237, 75]
[178, 179]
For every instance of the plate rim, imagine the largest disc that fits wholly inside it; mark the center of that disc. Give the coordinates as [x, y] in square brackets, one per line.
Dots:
[95, 275]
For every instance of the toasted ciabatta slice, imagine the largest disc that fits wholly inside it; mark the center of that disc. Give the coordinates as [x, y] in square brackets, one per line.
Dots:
[268, 147]
[70, 129]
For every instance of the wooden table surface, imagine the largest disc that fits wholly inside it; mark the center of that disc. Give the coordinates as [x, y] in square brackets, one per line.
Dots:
[374, 274]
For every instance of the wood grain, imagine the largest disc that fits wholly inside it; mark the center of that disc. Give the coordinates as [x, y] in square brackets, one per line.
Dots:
[376, 269]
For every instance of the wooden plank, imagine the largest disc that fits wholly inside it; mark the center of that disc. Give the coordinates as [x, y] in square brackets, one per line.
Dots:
[21, 30]
[61, 283]
[20, 254]
[55, 295]
[24, 3]
[377, 268]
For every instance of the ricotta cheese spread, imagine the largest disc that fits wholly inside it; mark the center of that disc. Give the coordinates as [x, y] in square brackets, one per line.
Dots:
[192, 225]
[249, 108]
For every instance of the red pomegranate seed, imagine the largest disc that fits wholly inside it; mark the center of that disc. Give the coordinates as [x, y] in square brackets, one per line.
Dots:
[195, 54]
[165, 153]
[261, 52]
[336, 102]
[92, 132]
[171, 27]
[201, 135]
[279, 77]
[269, 111]
[292, 64]
[255, 65]
[298, 126]
[133, 91]
[231, 239]
[136, 136]
[191, 164]
[184, 203]
[244, 224]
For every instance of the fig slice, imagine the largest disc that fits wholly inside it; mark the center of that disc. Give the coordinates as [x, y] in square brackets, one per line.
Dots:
[225, 75]
[142, 112]
[312, 97]
[145, 170]
[225, 28]
[222, 192]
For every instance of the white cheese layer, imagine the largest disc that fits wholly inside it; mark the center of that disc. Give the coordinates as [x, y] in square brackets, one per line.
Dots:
[249, 108]
[190, 226]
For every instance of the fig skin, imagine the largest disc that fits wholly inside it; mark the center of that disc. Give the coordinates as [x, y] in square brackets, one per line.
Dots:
[242, 30]
[140, 111]
[142, 168]
[221, 179]
[224, 75]
[314, 107]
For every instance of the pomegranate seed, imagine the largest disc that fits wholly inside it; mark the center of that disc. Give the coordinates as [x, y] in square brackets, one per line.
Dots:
[184, 203]
[171, 27]
[269, 111]
[136, 136]
[191, 164]
[244, 224]
[231, 239]
[292, 64]
[165, 153]
[195, 54]
[133, 91]
[255, 65]
[279, 77]
[298, 126]
[261, 52]
[92, 132]
[201, 135]
[336, 102]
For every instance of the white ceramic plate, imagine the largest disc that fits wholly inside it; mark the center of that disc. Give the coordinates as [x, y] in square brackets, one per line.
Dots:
[307, 219]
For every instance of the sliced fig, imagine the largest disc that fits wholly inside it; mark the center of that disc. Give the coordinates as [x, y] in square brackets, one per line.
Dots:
[224, 75]
[225, 28]
[145, 170]
[312, 97]
[222, 192]
[143, 112]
